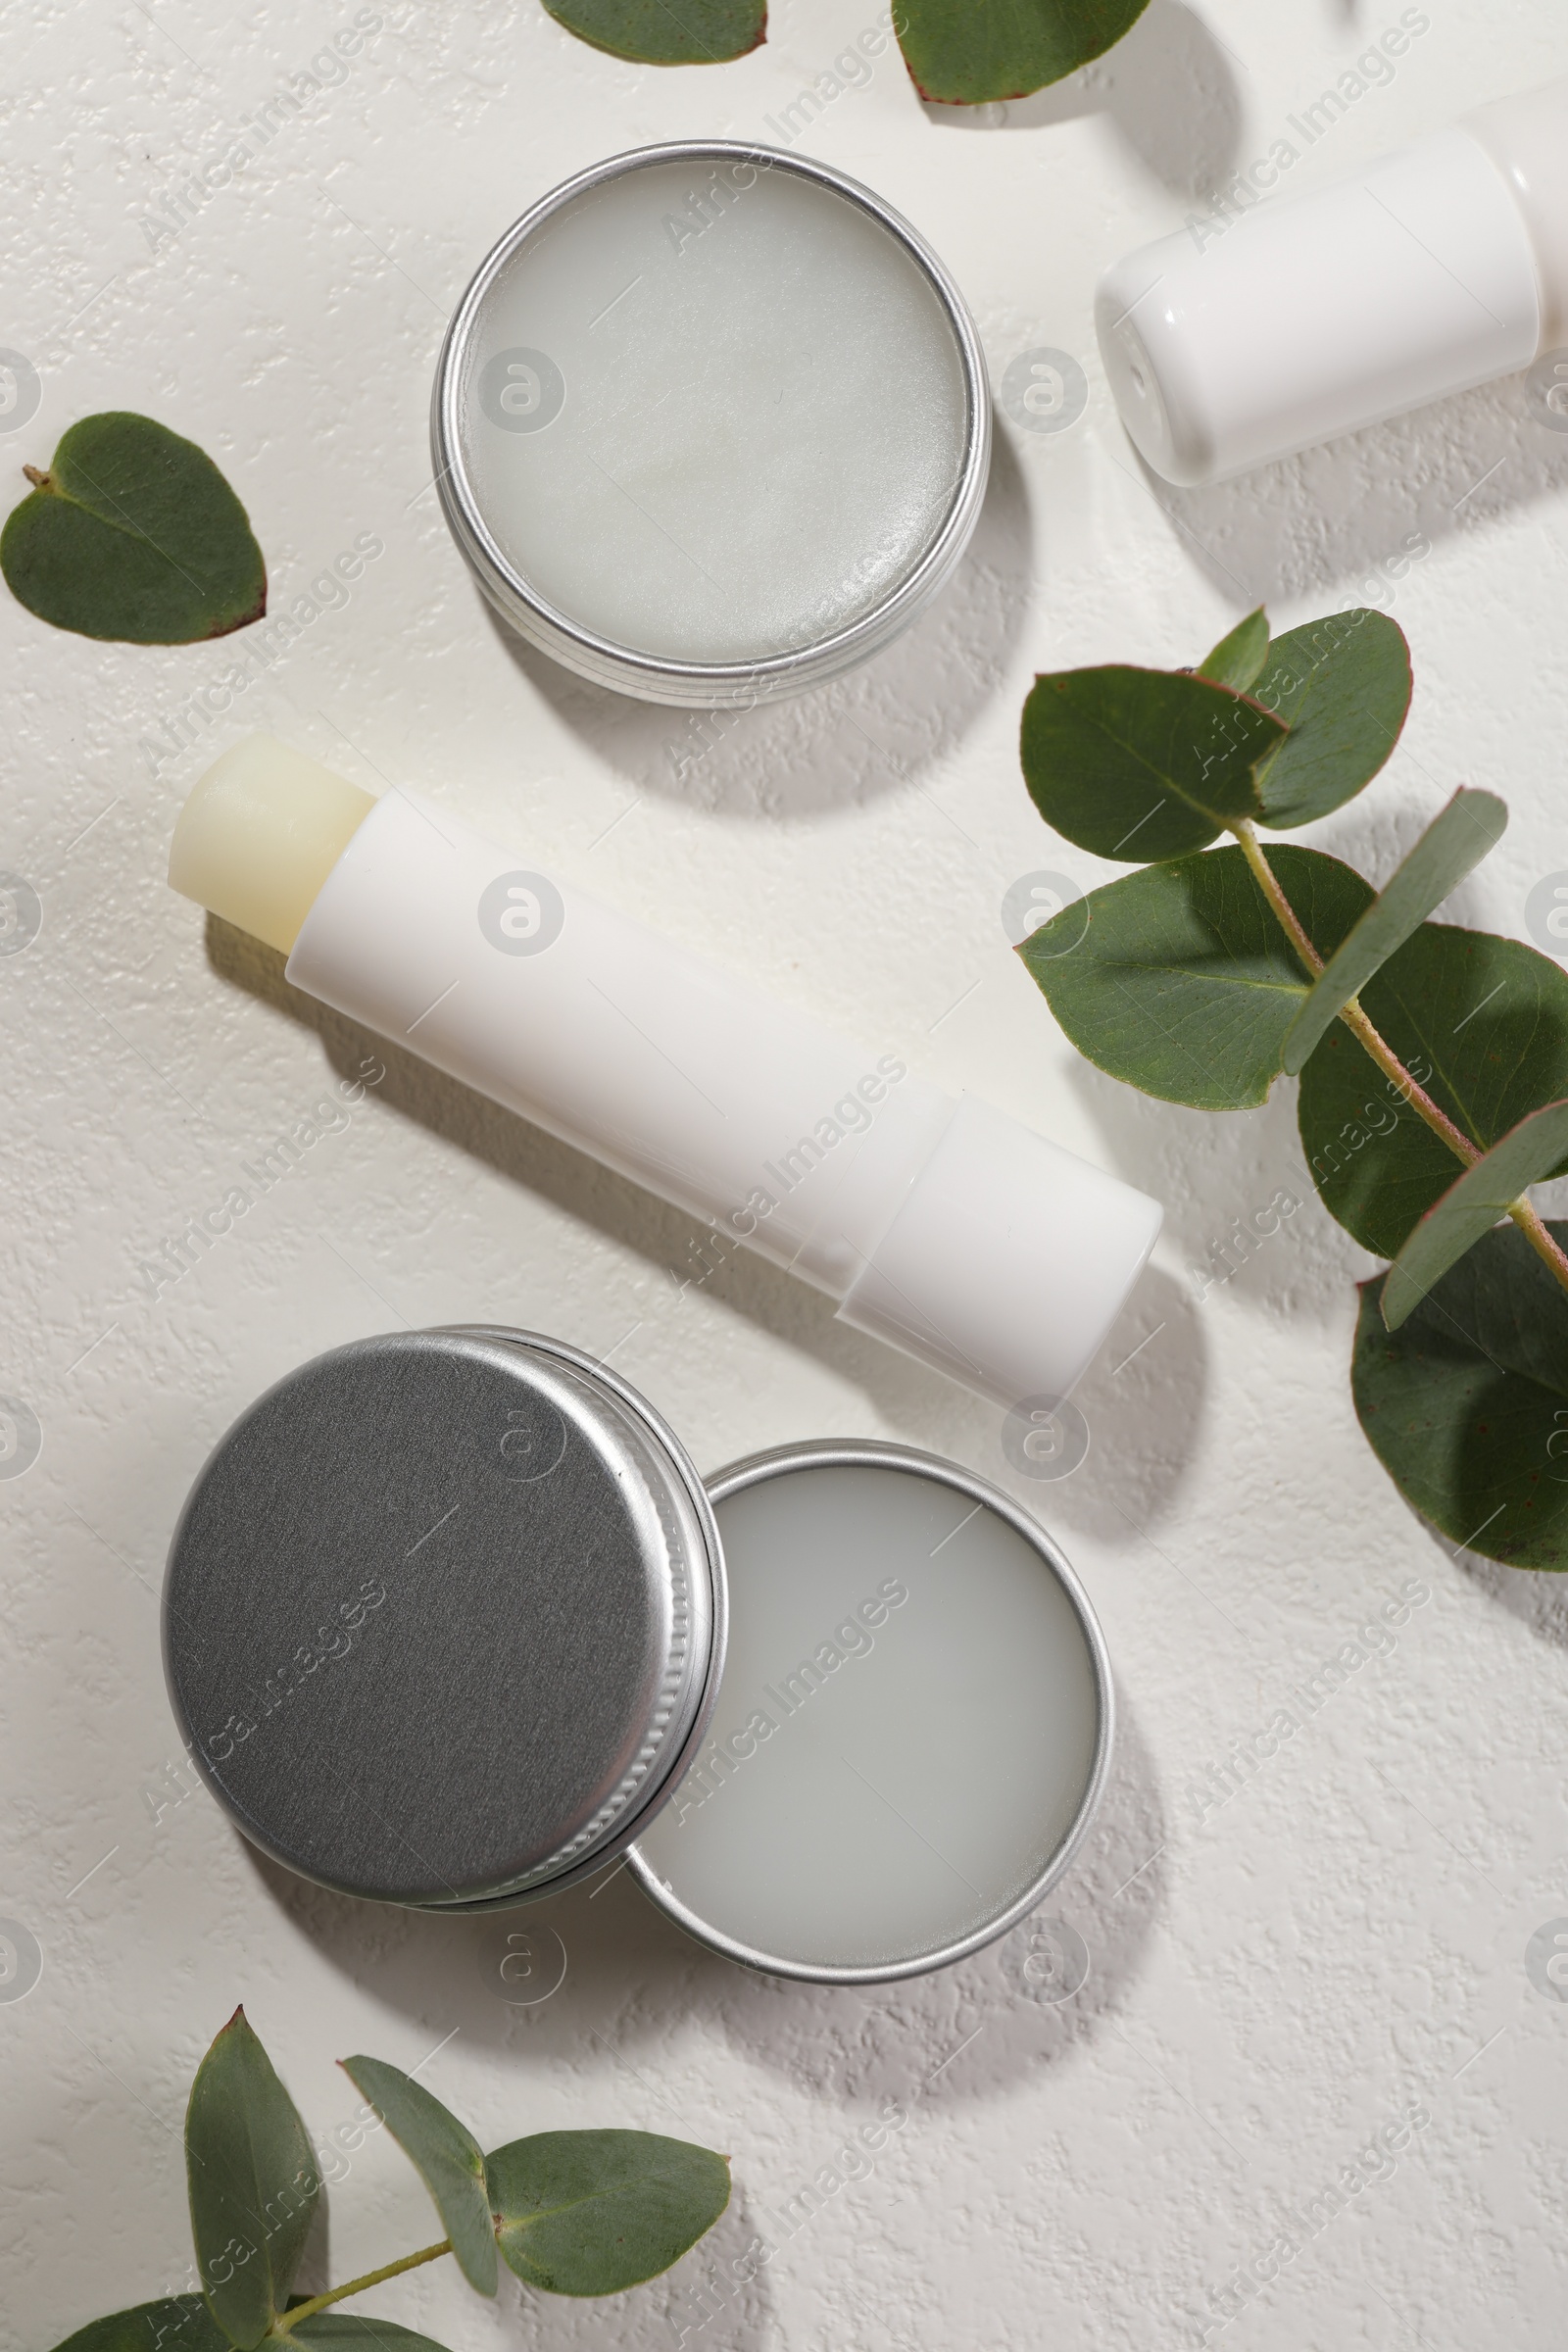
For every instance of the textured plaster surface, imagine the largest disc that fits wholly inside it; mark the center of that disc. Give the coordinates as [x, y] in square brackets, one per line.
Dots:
[1273, 1978]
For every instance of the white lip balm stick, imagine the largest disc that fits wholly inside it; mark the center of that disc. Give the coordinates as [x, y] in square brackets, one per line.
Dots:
[1239, 341]
[938, 1225]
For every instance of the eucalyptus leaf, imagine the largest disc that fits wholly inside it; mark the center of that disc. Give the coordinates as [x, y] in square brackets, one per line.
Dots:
[967, 52]
[1451, 846]
[1342, 687]
[1141, 764]
[1471, 1207]
[591, 2213]
[174, 2324]
[1466, 1405]
[1181, 981]
[447, 2155]
[253, 2183]
[1482, 1025]
[350, 2328]
[134, 534]
[1237, 659]
[666, 32]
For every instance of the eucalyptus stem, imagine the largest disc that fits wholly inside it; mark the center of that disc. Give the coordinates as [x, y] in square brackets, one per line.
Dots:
[1534, 1228]
[1267, 882]
[1377, 1046]
[357, 2286]
[1354, 1019]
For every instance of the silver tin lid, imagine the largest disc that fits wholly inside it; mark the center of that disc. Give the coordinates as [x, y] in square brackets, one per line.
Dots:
[654, 678]
[933, 1719]
[444, 1614]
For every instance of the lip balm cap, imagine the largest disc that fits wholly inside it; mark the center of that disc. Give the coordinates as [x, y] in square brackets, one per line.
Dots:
[1007, 1262]
[259, 835]
[443, 1616]
[1246, 337]
[1527, 138]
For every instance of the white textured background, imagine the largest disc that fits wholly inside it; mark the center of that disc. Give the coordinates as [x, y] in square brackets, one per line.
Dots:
[1274, 1977]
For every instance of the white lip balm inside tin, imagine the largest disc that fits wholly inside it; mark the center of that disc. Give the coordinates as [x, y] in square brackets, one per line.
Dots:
[445, 1625]
[912, 1726]
[710, 424]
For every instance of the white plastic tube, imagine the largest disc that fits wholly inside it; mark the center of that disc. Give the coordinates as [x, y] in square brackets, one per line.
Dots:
[938, 1225]
[1240, 340]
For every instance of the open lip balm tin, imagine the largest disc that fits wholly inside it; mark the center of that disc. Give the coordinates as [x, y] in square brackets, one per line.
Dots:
[447, 1624]
[710, 424]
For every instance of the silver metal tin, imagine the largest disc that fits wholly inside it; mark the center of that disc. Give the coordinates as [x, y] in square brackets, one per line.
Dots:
[762, 1466]
[710, 685]
[444, 1617]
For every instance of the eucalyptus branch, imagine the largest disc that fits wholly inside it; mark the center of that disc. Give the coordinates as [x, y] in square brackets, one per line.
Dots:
[1354, 1019]
[288, 2319]
[1524, 1216]
[1162, 980]
[617, 2207]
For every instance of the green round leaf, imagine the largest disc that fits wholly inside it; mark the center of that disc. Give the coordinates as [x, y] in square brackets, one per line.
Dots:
[174, 2324]
[1342, 687]
[967, 52]
[134, 534]
[447, 2155]
[1183, 982]
[652, 33]
[1466, 1405]
[1141, 764]
[591, 2213]
[1237, 659]
[253, 2183]
[1481, 1023]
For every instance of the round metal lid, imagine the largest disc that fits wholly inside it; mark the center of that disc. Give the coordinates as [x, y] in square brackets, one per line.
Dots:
[443, 1614]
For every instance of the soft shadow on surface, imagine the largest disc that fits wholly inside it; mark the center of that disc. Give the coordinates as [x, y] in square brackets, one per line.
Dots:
[1213, 1171]
[1143, 1398]
[1169, 90]
[897, 716]
[1142, 1413]
[1342, 517]
[918, 1401]
[978, 2030]
[1538, 1597]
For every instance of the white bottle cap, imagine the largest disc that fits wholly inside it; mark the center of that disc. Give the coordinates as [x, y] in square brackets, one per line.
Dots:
[1009, 1261]
[1247, 336]
[1527, 138]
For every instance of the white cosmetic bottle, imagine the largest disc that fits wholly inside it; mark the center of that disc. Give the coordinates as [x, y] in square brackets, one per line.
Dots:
[1239, 341]
[938, 1225]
